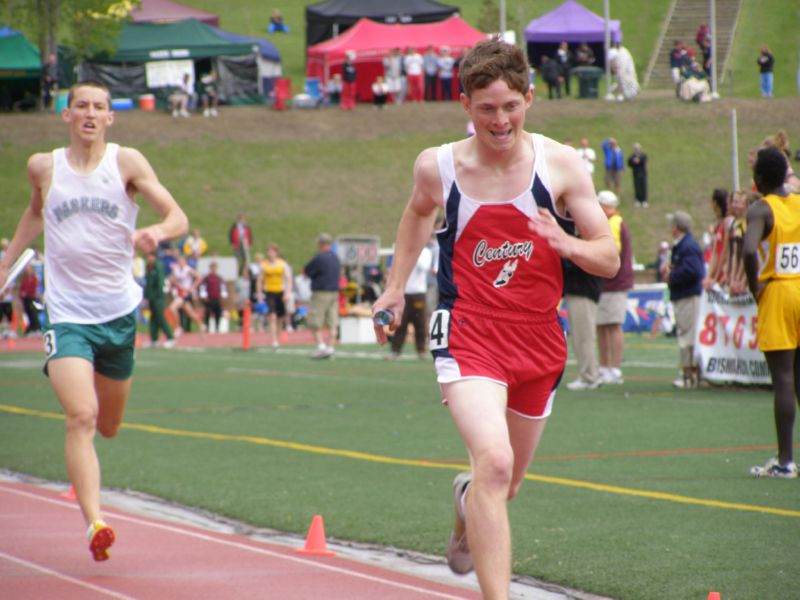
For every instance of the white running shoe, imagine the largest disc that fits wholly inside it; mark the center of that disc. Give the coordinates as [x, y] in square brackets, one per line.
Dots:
[774, 469]
[580, 385]
[458, 557]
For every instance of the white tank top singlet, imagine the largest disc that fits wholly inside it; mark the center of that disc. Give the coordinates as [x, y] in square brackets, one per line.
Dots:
[88, 222]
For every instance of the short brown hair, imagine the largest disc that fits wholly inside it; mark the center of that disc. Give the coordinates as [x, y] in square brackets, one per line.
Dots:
[88, 83]
[491, 60]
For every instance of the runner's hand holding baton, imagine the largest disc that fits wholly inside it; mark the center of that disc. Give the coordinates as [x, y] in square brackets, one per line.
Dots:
[17, 268]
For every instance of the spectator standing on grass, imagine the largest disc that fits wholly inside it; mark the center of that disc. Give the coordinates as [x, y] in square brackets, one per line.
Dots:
[194, 246]
[184, 281]
[581, 293]
[771, 247]
[766, 64]
[323, 310]
[241, 238]
[446, 66]
[498, 347]
[349, 77]
[92, 297]
[588, 156]
[613, 304]
[551, 76]
[29, 296]
[584, 56]
[637, 161]
[564, 59]
[684, 276]
[208, 94]
[614, 161]
[414, 309]
[275, 287]
[716, 272]
[430, 64]
[155, 295]
[395, 75]
[212, 293]
[415, 74]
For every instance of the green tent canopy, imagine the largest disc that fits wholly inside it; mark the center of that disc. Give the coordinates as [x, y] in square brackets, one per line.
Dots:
[144, 42]
[19, 59]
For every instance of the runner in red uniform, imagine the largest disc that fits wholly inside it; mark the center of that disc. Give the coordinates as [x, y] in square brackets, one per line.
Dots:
[511, 201]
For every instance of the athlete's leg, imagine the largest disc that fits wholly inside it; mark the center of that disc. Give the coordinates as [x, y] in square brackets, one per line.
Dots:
[525, 434]
[112, 398]
[616, 346]
[781, 366]
[478, 408]
[72, 380]
[273, 326]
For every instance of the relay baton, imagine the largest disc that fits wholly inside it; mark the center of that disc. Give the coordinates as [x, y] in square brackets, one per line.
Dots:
[17, 268]
[383, 317]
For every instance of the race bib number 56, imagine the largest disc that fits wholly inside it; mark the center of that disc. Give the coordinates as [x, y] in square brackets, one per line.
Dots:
[439, 329]
[788, 259]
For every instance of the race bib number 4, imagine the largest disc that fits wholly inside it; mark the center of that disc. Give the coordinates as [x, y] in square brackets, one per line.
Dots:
[439, 329]
[788, 259]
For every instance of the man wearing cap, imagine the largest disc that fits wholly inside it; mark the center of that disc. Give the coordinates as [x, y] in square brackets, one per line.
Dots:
[613, 303]
[684, 275]
[323, 309]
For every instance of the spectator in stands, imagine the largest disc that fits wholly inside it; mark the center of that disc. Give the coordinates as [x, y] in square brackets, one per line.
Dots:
[612, 306]
[637, 161]
[208, 94]
[564, 60]
[684, 276]
[446, 65]
[323, 312]
[695, 86]
[676, 63]
[349, 76]
[31, 301]
[212, 292]
[194, 246]
[588, 155]
[241, 239]
[156, 299]
[551, 75]
[584, 56]
[380, 92]
[717, 261]
[276, 23]
[702, 35]
[415, 75]
[430, 64]
[705, 49]
[395, 75]
[766, 63]
[614, 161]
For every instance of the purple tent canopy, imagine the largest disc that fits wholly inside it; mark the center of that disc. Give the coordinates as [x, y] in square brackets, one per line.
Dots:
[571, 22]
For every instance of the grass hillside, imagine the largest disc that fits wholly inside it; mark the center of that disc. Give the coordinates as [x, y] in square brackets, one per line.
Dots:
[298, 172]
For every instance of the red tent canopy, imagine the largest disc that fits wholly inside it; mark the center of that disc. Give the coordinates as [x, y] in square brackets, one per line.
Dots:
[166, 11]
[373, 41]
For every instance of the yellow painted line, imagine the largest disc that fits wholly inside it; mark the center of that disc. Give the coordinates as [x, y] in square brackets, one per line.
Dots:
[377, 458]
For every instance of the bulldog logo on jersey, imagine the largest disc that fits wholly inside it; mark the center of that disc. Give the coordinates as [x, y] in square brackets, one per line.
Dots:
[506, 273]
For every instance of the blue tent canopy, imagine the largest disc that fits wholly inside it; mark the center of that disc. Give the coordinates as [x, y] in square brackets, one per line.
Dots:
[265, 48]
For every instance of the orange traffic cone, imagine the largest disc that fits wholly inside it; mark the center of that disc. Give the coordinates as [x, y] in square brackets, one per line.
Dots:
[315, 541]
[12, 334]
[713, 596]
[69, 494]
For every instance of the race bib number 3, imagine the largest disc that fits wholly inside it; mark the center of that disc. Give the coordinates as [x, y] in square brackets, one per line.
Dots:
[49, 342]
[788, 259]
[439, 329]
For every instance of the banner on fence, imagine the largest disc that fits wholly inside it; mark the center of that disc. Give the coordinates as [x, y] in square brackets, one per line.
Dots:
[726, 342]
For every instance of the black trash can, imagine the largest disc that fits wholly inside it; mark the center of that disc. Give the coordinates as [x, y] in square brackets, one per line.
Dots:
[588, 81]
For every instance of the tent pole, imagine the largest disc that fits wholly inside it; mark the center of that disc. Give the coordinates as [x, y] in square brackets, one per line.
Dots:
[713, 19]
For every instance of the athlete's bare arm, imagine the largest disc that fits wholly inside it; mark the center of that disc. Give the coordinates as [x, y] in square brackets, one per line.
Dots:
[760, 222]
[31, 223]
[595, 250]
[413, 232]
[139, 177]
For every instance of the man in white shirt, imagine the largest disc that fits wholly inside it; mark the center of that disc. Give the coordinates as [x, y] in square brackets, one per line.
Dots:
[587, 155]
